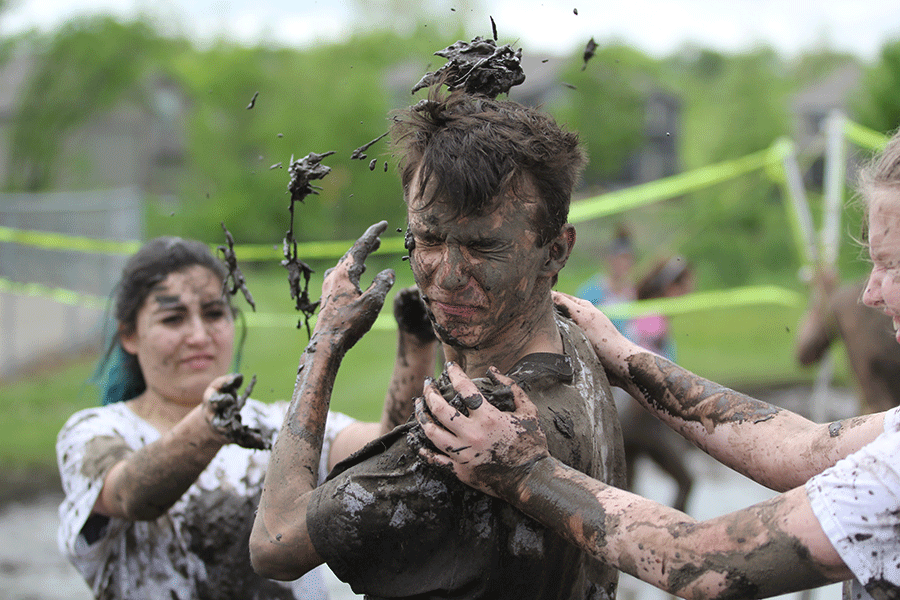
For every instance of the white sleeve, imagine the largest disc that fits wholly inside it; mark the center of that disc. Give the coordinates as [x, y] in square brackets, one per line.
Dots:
[335, 423]
[857, 502]
[81, 479]
[892, 419]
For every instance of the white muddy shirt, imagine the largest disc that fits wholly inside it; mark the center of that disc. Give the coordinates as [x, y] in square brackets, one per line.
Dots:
[857, 502]
[198, 549]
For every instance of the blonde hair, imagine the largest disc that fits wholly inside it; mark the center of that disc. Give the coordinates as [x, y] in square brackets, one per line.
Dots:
[882, 171]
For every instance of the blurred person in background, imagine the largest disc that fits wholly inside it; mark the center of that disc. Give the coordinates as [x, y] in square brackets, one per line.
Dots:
[836, 314]
[613, 284]
[162, 482]
[643, 433]
[839, 513]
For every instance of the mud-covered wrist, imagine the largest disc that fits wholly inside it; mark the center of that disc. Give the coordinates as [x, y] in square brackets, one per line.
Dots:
[518, 484]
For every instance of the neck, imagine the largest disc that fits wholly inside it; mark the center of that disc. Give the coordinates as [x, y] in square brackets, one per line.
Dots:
[527, 336]
[160, 412]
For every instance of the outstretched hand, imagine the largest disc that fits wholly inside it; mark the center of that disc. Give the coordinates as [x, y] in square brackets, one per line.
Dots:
[346, 311]
[223, 407]
[490, 450]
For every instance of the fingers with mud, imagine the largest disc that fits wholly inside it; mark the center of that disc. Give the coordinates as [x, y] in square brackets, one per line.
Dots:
[226, 405]
[412, 316]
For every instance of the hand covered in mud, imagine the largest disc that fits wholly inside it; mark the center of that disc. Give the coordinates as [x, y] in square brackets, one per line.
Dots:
[412, 316]
[490, 450]
[347, 312]
[223, 411]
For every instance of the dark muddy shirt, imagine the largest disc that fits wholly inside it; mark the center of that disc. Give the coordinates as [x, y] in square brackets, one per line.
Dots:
[393, 526]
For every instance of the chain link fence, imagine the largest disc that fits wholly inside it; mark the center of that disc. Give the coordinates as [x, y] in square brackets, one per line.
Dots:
[37, 329]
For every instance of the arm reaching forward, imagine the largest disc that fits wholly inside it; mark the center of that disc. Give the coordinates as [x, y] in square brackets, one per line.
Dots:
[415, 360]
[771, 548]
[773, 446]
[280, 547]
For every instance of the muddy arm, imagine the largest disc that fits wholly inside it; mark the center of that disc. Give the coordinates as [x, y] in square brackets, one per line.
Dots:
[773, 446]
[280, 547]
[142, 485]
[772, 548]
[415, 360]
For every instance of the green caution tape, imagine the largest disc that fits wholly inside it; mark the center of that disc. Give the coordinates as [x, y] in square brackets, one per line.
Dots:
[312, 250]
[671, 187]
[863, 136]
[49, 240]
[60, 295]
[700, 301]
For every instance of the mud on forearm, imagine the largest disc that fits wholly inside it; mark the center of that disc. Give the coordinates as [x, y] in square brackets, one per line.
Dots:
[304, 426]
[414, 362]
[673, 390]
[156, 476]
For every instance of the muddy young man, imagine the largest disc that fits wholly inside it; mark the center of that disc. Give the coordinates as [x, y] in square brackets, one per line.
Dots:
[487, 184]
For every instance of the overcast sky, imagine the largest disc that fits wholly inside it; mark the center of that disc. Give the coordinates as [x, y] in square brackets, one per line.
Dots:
[655, 26]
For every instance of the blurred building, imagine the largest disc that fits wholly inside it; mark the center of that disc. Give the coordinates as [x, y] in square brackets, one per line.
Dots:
[810, 108]
[107, 166]
[139, 142]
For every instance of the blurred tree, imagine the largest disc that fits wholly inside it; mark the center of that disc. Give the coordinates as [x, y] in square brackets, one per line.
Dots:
[603, 100]
[82, 69]
[877, 105]
[734, 105]
[332, 97]
[438, 19]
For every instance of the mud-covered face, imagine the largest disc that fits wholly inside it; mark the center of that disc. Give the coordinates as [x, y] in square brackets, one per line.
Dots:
[478, 275]
[183, 336]
[883, 288]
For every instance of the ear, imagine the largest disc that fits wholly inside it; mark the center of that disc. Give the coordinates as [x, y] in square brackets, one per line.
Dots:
[129, 341]
[559, 250]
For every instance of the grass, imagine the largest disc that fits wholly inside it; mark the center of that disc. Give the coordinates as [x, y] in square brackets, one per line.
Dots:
[740, 347]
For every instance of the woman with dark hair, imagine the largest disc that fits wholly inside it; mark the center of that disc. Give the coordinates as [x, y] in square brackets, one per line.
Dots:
[160, 493]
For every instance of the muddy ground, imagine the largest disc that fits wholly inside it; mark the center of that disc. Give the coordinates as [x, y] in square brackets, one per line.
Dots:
[31, 568]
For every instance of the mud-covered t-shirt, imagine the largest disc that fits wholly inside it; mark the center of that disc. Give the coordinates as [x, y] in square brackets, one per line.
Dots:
[198, 549]
[857, 502]
[393, 526]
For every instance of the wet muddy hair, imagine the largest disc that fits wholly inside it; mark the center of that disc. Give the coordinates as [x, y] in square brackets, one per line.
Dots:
[474, 149]
[118, 374]
[881, 172]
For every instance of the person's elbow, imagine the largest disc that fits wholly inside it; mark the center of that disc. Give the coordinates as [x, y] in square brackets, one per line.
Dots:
[273, 559]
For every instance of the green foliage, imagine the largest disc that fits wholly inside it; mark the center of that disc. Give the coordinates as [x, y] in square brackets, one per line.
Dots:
[87, 66]
[878, 103]
[330, 98]
[606, 106]
[733, 105]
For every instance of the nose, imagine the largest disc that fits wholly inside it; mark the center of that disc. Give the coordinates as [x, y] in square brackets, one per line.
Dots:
[197, 332]
[872, 293]
[451, 272]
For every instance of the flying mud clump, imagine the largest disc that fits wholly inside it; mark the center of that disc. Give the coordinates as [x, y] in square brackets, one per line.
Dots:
[302, 171]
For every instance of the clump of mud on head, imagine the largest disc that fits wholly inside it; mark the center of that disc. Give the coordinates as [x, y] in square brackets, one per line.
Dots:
[479, 67]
